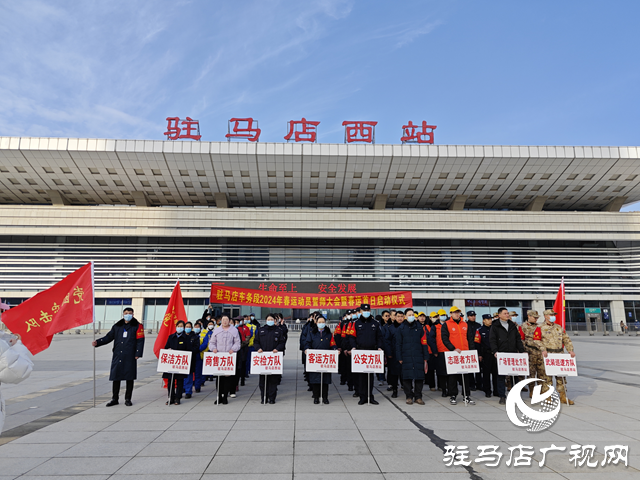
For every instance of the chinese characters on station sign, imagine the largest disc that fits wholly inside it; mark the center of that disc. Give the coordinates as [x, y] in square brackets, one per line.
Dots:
[325, 361]
[367, 361]
[302, 131]
[464, 362]
[513, 363]
[190, 130]
[560, 365]
[243, 129]
[299, 131]
[221, 363]
[174, 361]
[266, 363]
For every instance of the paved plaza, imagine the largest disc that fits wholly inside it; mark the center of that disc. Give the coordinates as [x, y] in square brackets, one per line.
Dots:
[53, 431]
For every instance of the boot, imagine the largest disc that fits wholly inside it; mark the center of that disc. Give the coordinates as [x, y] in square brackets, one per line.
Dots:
[395, 393]
[563, 399]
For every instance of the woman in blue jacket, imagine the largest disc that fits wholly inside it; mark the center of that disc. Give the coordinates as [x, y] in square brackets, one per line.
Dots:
[319, 337]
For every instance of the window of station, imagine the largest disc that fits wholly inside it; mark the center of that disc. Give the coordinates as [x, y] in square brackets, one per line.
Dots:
[578, 311]
[108, 311]
[631, 310]
[482, 307]
[155, 309]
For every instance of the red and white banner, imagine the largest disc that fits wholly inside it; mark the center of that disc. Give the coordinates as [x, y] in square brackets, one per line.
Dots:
[464, 362]
[367, 361]
[66, 305]
[266, 363]
[174, 361]
[222, 363]
[325, 361]
[513, 364]
[560, 365]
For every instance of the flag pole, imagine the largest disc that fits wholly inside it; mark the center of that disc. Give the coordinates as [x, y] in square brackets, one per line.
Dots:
[93, 309]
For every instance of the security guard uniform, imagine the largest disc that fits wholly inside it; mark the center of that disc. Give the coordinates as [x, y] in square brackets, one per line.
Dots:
[531, 332]
[366, 335]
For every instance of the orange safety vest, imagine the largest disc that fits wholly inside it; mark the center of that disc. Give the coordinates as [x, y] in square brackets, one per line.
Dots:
[458, 334]
[439, 344]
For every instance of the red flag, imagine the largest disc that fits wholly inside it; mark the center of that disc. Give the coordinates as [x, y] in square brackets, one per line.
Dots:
[559, 306]
[175, 312]
[68, 304]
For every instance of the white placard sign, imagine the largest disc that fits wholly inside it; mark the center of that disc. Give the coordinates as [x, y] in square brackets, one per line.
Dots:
[464, 362]
[513, 364]
[221, 363]
[325, 361]
[266, 363]
[174, 361]
[367, 361]
[560, 365]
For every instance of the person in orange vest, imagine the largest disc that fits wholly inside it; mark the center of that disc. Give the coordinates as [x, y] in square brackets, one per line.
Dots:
[456, 336]
[439, 318]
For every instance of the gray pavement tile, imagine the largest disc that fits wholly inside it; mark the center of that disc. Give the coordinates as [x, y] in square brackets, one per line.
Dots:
[273, 416]
[86, 450]
[125, 426]
[96, 415]
[256, 448]
[386, 425]
[334, 435]
[156, 417]
[46, 450]
[393, 435]
[263, 425]
[182, 436]
[19, 465]
[250, 435]
[411, 463]
[79, 466]
[255, 476]
[204, 415]
[340, 476]
[590, 436]
[54, 437]
[123, 437]
[326, 424]
[89, 426]
[196, 426]
[253, 464]
[511, 435]
[168, 449]
[402, 448]
[338, 464]
[191, 476]
[451, 474]
[65, 477]
[165, 465]
[355, 447]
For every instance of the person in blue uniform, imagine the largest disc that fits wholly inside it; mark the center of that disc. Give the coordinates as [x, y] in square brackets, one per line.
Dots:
[128, 337]
[366, 335]
[320, 338]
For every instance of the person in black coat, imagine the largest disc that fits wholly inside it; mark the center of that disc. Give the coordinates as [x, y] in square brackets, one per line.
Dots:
[504, 337]
[303, 337]
[412, 353]
[394, 369]
[473, 326]
[177, 341]
[366, 335]
[488, 364]
[194, 340]
[269, 338]
[128, 337]
[320, 338]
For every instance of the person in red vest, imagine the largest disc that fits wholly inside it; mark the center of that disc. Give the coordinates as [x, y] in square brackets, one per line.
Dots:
[456, 336]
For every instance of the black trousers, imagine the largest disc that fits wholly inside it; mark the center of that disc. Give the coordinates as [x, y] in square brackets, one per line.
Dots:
[452, 387]
[413, 388]
[430, 376]
[392, 380]
[365, 387]
[272, 386]
[175, 390]
[226, 386]
[127, 393]
[316, 390]
[489, 367]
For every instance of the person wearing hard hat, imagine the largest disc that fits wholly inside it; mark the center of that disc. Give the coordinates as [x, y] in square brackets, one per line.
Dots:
[436, 336]
[456, 337]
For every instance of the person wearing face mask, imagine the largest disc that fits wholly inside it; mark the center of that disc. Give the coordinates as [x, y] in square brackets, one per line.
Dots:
[320, 338]
[394, 369]
[177, 341]
[194, 338]
[269, 338]
[412, 353]
[204, 342]
[554, 339]
[365, 335]
[488, 363]
[504, 338]
[430, 375]
[306, 329]
[245, 335]
[456, 337]
[253, 328]
[128, 337]
[225, 339]
[436, 338]
[344, 332]
[473, 327]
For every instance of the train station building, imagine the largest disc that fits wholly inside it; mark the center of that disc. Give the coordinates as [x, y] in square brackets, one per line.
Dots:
[476, 226]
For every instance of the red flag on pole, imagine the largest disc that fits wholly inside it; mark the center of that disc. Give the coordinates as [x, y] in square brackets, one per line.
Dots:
[175, 312]
[559, 306]
[68, 304]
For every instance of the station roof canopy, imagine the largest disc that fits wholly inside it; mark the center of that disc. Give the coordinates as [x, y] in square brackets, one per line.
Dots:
[82, 171]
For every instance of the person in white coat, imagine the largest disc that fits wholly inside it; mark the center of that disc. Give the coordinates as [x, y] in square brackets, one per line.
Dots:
[15, 365]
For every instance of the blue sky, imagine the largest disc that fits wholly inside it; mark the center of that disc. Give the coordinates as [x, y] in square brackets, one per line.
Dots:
[499, 72]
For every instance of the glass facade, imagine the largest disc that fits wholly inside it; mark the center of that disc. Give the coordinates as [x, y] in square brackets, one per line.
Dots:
[109, 310]
[155, 309]
[489, 307]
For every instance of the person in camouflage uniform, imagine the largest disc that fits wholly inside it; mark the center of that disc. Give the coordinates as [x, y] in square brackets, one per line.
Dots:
[530, 331]
[554, 340]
